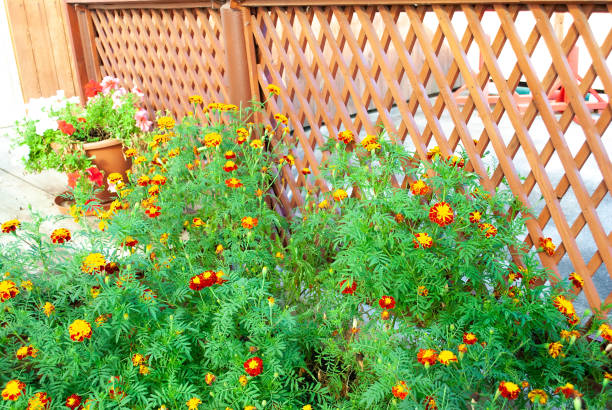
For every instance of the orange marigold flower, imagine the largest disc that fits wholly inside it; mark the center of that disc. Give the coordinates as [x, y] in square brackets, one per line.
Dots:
[346, 136]
[564, 306]
[475, 217]
[399, 218]
[538, 395]
[509, 390]
[93, 263]
[273, 89]
[48, 308]
[193, 403]
[306, 171]
[419, 187]
[469, 338]
[427, 357]
[348, 288]
[73, 401]
[10, 226]
[489, 230]
[253, 366]
[165, 123]
[243, 380]
[219, 249]
[462, 348]
[79, 330]
[209, 378]
[340, 195]
[256, 143]
[230, 166]
[446, 357]
[606, 332]
[8, 290]
[233, 183]
[100, 320]
[387, 302]
[607, 376]
[197, 222]
[547, 246]
[524, 384]
[60, 235]
[423, 291]
[555, 349]
[576, 280]
[430, 403]
[400, 390]
[385, 315]
[12, 390]
[249, 222]
[144, 180]
[441, 214]
[203, 280]
[39, 401]
[568, 391]
[212, 139]
[567, 334]
[422, 240]
[281, 118]
[153, 211]
[370, 143]
[158, 180]
[129, 242]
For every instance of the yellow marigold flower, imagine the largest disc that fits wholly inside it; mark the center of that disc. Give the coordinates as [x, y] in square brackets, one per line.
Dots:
[446, 357]
[250, 408]
[27, 285]
[8, 290]
[163, 238]
[307, 407]
[555, 349]
[279, 255]
[196, 99]
[281, 118]
[165, 123]
[576, 280]
[273, 89]
[256, 143]
[95, 291]
[144, 370]
[346, 136]
[138, 359]
[94, 262]
[212, 139]
[48, 308]
[567, 334]
[100, 320]
[130, 152]
[243, 380]
[432, 153]
[462, 348]
[606, 332]
[140, 159]
[323, 204]
[564, 305]
[538, 395]
[10, 226]
[209, 378]
[60, 235]
[422, 240]
[419, 187]
[547, 246]
[25, 351]
[271, 301]
[339, 195]
[79, 330]
[12, 390]
[193, 403]
[370, 143]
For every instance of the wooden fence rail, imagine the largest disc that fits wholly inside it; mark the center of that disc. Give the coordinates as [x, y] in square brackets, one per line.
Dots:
[351, 65]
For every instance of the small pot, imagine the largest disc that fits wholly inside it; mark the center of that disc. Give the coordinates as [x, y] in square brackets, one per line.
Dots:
[108, 156]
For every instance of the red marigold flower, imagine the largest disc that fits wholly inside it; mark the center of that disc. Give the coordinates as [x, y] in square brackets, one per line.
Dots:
[129, 242]
[10, 226]
[253, 366]
[346, 136]
[446, 357]
[111, 267]
[158, 180]
[387, 302]
[349, 289]
[422, 240]
[469, 338]
[229, 155]
[60, 235]
[475, 217]
[419, 187]
[565, 306]
[153, 211]
[39, 401]
[306, 171]
[212, 139]
[455, 161]
[400, 390]
[489, 230]
[233, 183]
[25, 351]
[241, 139]
[606, 332]
[8, 290]
[427, 357]
[203, 280]
[79, 330]
[249, 222]
[73, 401]
[230, 166]
[568, 391]
[576, 280]
[12, 390]
[509, 390]
[548, 246]
[555, 349]
[430, 403]
[92, 88]
[95, 176]
[441, 214]
[516, 275]
[144, 180]
[65, 127]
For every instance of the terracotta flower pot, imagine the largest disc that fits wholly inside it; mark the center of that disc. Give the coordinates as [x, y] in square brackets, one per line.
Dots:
[108, 156]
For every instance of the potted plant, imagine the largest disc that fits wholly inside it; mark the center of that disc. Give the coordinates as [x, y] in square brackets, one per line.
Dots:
[88, 141]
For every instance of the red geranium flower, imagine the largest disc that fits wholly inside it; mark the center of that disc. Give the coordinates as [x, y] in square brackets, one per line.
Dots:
[95, 176]
[348, 289]
[441, 213]
[253, 366]
[65, 127]
[92, 88]
[387, 302]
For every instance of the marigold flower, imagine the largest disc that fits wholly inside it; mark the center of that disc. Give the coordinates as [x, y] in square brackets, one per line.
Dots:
[469, 338]
[489, 230]
[387, 302]
[384, 315]
[193, 403]
[567, 334]
[567, 390]
[289, 159]
[475, 217]
[306, 171]
[92, 88]
[48, 308]
[538, 395]
[576, 280]
[548, 246]
[73, 401]
[158, 180]
[399, 218]
[606, 332]
[25, 351]
[144, 370]
[400, 390]
[441, 214]
[39, 401]
[250, 408]
[242, 134]
[209, 378]
[233, 183]
[212, 139]
[509, 390]
[323, 204]
[130, 152]
[60, 235]
[27, 285]
[111, 267]
[93, 263]
[306, 407]
[281, 118]
[555, 349]
[249, 222]
[100, 320]
[196, 99]
[370, 143]
[153, 190]
[219, 249]
[256, 143]
[129, 242]
[446, 357]
[430, 403]
[230, 166]
[271, 301]
[79, 330]
[10, 226]
[419, 187]
[243, 380]
[422, 240]
[462, 348]
[8, 290]
[153, 211]
[273, 89]
[137, 359]
[434, 152]
[455, 161]
[144, 180]
[253, 366]
[346, 136]
[423, 291]
[197, 222]
[12, 390]
[165, 123]
[340, 195]
[349, 289]
[163, 238]
[427, 357]
[564, 306]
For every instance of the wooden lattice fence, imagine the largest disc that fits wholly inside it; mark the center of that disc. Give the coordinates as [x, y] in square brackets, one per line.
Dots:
[352, 65]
